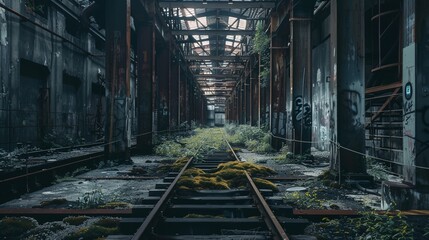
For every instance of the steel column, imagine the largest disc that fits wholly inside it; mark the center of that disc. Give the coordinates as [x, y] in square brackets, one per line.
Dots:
[145, 31]
[163, 87]
[174, 93]
[300, 25]
[278, 79]
[118, 122]
[347, 86]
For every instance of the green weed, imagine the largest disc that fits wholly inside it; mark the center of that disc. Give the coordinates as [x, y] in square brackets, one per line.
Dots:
[304, 200]
[369, 226]
[252, 138]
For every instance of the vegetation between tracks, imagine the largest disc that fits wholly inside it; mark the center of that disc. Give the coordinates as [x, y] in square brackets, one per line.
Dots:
[227, 175]
[252, 138]
[202, 141]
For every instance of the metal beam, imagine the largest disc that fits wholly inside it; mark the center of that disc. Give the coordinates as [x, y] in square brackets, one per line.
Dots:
[217, 12]
[217, 95]
[217, 4]
[213, 32]
[383, 88]
[216, 68]
[216, 76]
[217, 58]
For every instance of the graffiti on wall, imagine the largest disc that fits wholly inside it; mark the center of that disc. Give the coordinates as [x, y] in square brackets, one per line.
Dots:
[351, 107]
[302, 111]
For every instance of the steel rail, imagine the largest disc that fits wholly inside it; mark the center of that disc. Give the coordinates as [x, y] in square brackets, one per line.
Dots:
[269, 218]
[59, 149]
[155, 214]
[88, 157]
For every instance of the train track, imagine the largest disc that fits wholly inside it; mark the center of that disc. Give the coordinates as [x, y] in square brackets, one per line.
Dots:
[220, 214]
[40, 170]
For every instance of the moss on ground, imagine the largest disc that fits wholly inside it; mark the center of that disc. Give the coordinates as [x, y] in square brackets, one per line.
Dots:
[253, 169]
[13, 227]
[202, 182]
[265, 184]
[53, 202]
[228, 175]
[194, 172]
[75, 220]
[115, 205]
[176, 166]
[92, 232]
[108, 222]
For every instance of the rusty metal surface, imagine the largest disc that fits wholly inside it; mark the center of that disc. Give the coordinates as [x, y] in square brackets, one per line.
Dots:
[353, 213]
[145, 51]
[118, 101]
[300, 74]
[58, 165]
[270, 219]
[279, 58]
[35, 212]
[156, 212]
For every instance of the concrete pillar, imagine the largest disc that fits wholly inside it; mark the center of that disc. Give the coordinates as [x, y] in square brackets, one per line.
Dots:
[145, 49]
[347, 86]
[415, 73]
[118, 120]
[414, 192]
[300, 74]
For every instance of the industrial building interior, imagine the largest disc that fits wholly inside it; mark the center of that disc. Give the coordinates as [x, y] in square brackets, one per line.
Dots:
[331, 86]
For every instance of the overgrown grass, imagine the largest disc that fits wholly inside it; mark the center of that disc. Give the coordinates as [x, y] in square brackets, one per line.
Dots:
[96, 198]
[203, 141]
[377, 169]
[370, 226]
[304, 200]
[252, 138]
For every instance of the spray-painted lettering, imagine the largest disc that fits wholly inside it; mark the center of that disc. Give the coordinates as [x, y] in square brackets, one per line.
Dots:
[302, 111]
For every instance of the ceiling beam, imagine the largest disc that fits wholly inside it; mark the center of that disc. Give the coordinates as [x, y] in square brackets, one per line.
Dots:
[217, 58]
[216, 76]
[216, 4]
[213, 32]
[216, 68]
[217, 95]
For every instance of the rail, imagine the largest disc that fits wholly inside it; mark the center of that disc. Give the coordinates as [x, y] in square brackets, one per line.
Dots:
[160, 206]
[269, 218]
